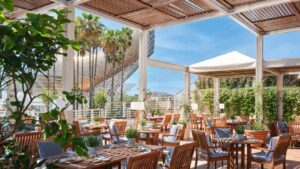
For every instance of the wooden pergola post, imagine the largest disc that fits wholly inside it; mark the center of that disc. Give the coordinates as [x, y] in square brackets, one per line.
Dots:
[259, 78]
[280, 96]
[187, 87]
[216, 94]
[143, 50]
[68, 62]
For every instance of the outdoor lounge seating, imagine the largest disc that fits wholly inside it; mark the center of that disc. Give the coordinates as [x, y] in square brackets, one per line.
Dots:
[113, 134]
[281, 128]
[275, 154]
[174, 136]
[28, 139]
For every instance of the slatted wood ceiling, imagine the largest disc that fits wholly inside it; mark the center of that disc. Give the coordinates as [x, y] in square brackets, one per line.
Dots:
[148, 13]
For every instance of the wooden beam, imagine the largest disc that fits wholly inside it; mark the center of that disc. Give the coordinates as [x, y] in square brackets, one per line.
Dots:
[258, 4]
[164, 3]
[63, 2]
[77, 2]
[194, 18]
[111, 17]
[280, 31]
[275, 72]
[165, 65]
[249, 26]
[42, 10]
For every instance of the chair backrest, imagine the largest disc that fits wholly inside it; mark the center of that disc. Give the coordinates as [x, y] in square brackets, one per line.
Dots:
[49, 148]
[294, 128]
[28, 139]
[201, 140]
[223, 132]
[121, 125]
[281, 128]
[182, 156]
[174, 130]
[167, 118]
[114, 132]
[182, 129]
[176, 117]
[78, 125]
[219, 122]
[208, 122]
[281, 146]
[144, 161]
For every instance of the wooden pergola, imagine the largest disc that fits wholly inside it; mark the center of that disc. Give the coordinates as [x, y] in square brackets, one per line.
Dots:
[261, 17]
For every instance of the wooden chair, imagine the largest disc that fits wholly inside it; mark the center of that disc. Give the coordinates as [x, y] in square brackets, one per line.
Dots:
[121, 125]
[28, 139]
[144, 161]
[208, 152]
[166, 121]
[173, 138]
[195, 122]
[275, 155]
[182, 156]
[176, 117]
[294, 130]
[80, 130]
[219, 122]
[281, 128]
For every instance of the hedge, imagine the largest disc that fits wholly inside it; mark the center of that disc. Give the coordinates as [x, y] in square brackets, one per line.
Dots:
[242, 101]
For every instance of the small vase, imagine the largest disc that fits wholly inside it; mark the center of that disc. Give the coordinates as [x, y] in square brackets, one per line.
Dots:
[92, 151]
[240, 136]
[131, 141]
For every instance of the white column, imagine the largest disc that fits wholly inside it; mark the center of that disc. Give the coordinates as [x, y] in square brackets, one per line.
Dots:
[187, 87]
[216, 94]
[143, 51]
[259, 78]
[280, 96]
[68, 62]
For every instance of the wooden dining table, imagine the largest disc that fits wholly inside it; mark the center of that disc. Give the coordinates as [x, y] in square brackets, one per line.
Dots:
[155, 118]
[115, 153]
[150, 132]
[244, 143]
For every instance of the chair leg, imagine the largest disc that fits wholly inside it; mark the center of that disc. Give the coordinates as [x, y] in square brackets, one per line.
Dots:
[215, 164]
[261, 166]
[222, 163]
[208, 164]
[196, 160]
[284, 164]
[237, 157]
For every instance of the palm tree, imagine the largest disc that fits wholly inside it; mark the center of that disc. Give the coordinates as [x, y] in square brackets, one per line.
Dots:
[111, 48]
[125, 41]
[89, 29]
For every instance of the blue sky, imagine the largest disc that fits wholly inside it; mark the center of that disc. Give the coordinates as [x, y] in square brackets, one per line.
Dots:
[193, 42]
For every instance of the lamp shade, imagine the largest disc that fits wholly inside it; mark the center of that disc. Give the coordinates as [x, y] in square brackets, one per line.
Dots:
[221, 106]
[194, 106]
[137, 106]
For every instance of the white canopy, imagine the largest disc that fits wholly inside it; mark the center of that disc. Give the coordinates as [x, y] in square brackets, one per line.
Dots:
[230, 61]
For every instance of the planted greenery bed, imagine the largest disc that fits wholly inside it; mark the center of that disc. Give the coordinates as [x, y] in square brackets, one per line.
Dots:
[242, 101]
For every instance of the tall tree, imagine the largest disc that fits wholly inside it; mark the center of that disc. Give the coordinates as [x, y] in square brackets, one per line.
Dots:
[89, 31]
[125, 40]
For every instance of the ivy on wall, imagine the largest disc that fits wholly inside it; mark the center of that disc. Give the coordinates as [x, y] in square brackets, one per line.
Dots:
[242, 101]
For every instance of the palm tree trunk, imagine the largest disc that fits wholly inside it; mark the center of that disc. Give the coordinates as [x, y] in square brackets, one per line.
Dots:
[122, 78]
[112, 85]
[95, 67]
[105, 67]
[82, 79]
[90, 79]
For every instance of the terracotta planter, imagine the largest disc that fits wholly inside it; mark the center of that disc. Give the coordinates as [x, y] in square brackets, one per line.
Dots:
[259, 135]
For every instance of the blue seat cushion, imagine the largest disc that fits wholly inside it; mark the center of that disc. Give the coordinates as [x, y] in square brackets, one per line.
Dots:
[223, 132]
[217, 153]
[263, 156]
[49, 148]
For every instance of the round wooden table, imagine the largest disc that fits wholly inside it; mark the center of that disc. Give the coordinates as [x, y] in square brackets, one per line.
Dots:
[155, 118]
[148, 133]
[234, 143]
[235, 123]
[94, 127]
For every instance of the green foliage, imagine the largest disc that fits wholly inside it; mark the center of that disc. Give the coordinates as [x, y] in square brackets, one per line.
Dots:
[131, 133]
[240, 129]
[257, 126]
[129, 99]
[93, 141]
[156, 112]
[100, 99]
[48, 96]
[143, 122]
[96, 119]
[242, 102]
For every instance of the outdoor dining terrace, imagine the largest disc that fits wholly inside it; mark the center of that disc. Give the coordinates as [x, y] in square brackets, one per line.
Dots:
[120, 134]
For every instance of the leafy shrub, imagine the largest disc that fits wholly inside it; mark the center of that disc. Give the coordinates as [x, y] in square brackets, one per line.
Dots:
[240, 129]
[93, 141]
[100, 99]
[131, 133]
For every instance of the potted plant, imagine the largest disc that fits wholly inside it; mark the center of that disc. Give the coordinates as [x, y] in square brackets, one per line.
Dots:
[131, 135]
[257, 132]
[92, 142]
[96, 120]
[143, 123]
[232, 117]
[240, 131]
